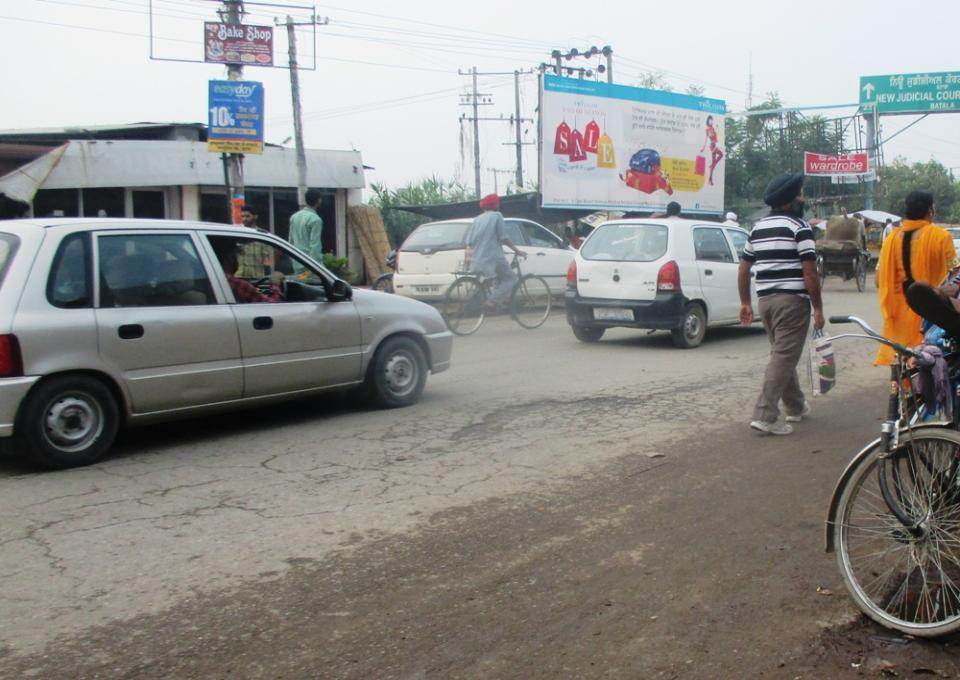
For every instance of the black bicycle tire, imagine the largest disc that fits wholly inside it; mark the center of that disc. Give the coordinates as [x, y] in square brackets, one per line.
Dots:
[513, 296]
[870, 596]
[447, 302]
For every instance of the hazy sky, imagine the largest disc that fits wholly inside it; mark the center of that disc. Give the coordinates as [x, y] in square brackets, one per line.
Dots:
[387, 78]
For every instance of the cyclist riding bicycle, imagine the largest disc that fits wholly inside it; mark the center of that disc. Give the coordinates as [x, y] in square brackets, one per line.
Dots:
[484, 241]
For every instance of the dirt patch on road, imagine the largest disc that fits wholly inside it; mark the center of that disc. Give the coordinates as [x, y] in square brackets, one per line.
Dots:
[706, 562]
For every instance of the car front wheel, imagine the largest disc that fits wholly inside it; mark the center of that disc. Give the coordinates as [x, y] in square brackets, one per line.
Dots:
[68, 421]
[398, 373]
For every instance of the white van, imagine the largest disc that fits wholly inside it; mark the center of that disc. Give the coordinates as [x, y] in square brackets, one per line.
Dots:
[669, 274]
[429, 257]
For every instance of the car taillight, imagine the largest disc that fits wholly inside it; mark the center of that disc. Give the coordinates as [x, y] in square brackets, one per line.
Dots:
[668, 280]
[572, 274]
[11, 363]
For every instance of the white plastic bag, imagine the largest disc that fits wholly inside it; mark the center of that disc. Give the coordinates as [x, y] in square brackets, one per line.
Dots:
[823, 367]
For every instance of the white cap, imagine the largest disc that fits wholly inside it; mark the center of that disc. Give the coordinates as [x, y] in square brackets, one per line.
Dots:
[732, 216]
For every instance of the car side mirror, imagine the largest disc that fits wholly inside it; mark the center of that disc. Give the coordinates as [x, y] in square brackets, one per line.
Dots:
[340, 291]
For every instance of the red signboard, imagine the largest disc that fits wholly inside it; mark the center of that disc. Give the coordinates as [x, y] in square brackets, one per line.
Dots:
[836, 164]
[237, 44]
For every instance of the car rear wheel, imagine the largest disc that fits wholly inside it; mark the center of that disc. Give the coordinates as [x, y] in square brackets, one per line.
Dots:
[68, 421]
[692, 329]
[588, 333]
[398, 373]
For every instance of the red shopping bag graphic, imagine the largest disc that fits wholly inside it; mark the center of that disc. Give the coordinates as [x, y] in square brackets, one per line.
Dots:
[577, 153]
[591, 136]
[701, 166]
[561, 145]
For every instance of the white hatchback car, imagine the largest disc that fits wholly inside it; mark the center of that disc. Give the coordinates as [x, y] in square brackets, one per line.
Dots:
[429, 257]
[669, 274]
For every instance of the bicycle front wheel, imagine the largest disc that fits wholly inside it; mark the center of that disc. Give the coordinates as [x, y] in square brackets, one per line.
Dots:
[463, 305]
[902, 579]
[530, 301]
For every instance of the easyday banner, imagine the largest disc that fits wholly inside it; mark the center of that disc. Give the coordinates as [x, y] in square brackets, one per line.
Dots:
[614, 147]
[836, 164]
[235, 121]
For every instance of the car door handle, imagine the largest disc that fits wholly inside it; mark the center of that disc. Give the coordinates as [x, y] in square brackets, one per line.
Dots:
[708, 272]
[541, 254]
[130, 331]
[262, 323]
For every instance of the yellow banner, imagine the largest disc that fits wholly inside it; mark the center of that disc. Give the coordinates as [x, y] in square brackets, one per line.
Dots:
[234, 146]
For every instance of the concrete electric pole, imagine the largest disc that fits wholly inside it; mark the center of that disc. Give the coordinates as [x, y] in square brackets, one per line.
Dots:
[231, 13]
[295, 97]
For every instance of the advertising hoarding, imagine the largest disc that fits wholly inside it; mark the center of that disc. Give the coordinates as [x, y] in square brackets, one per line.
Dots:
[237, 44]
[614, 147]
[836, 164]
[235, 116]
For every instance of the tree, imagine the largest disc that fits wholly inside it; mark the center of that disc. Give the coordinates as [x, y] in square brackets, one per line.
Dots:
[899, 179]
[762, 146]
[427, 191]
[657, 80]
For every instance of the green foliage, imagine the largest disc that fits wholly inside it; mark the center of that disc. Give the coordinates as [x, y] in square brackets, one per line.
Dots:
[899, 179]
[427, 191]
[340, 267]
[760, 147]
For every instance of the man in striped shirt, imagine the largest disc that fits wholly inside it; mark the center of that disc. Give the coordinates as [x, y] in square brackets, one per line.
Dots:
[782, 250]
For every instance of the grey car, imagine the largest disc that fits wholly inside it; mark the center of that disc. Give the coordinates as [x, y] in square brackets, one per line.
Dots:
[106, 323]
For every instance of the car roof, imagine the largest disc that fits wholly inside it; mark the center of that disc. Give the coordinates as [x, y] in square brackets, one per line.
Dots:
[36, 223]
[669, 222]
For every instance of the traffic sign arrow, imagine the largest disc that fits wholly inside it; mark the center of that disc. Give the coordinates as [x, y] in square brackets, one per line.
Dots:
[868, 90]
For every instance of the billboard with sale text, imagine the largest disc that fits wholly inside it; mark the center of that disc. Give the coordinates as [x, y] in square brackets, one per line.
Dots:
[613, 147]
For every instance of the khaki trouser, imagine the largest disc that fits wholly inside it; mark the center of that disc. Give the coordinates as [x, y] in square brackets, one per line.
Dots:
[786, 318]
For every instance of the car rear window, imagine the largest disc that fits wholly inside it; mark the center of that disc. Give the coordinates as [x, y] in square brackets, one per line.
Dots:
[445, 236]
[627, 243]
[8, 248]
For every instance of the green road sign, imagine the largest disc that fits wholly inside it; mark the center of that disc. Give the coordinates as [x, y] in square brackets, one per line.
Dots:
[911, 92]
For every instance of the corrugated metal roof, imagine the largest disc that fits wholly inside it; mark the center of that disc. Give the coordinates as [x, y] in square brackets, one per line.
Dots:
[132, 163]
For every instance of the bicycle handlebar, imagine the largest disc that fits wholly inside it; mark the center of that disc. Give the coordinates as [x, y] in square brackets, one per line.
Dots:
[870, 334]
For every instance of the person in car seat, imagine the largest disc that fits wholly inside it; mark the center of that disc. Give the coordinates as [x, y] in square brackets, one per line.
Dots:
[243, 290]
[485, 240]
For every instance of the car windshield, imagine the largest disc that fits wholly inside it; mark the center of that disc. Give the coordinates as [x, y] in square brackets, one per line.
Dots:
[437, 236]
[8, 246]
[626, 243]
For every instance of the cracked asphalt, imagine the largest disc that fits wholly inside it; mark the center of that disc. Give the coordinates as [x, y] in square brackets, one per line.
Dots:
[540, 487]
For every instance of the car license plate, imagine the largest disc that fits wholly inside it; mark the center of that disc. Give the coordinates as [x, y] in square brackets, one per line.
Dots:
[612, 314]
[427, 289]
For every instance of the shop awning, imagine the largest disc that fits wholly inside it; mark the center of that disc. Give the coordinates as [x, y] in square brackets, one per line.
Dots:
[523, 206]
[21, 184]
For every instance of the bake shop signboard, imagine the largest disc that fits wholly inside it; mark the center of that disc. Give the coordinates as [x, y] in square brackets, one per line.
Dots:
[237, 44]
[613, 147]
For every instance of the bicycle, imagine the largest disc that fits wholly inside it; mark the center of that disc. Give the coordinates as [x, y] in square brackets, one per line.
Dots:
[894, 518]
[464, 304]
[384, 282]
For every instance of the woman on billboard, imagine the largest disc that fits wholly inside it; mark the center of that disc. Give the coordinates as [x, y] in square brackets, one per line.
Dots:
[715, 151]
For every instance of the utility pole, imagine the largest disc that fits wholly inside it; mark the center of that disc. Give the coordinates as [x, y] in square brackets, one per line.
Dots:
[496, 174]
[231, 13]
[295, 96]
[297, 113]
[476, 100]
[476, 136]
[870, 117]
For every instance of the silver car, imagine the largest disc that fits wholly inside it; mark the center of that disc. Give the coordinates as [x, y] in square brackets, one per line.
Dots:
[106, 323]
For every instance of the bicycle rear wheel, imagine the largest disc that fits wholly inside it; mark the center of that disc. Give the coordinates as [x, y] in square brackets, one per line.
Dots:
[904, 581]
[463, 305]
[530, 301]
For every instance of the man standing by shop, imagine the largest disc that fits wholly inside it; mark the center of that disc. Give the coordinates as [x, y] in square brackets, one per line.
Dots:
[306, 226]
[781, 247]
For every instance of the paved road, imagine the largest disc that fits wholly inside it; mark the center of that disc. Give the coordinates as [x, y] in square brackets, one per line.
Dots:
[550, 508]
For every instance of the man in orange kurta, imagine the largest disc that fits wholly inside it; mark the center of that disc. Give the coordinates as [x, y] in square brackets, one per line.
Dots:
[932, 256]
